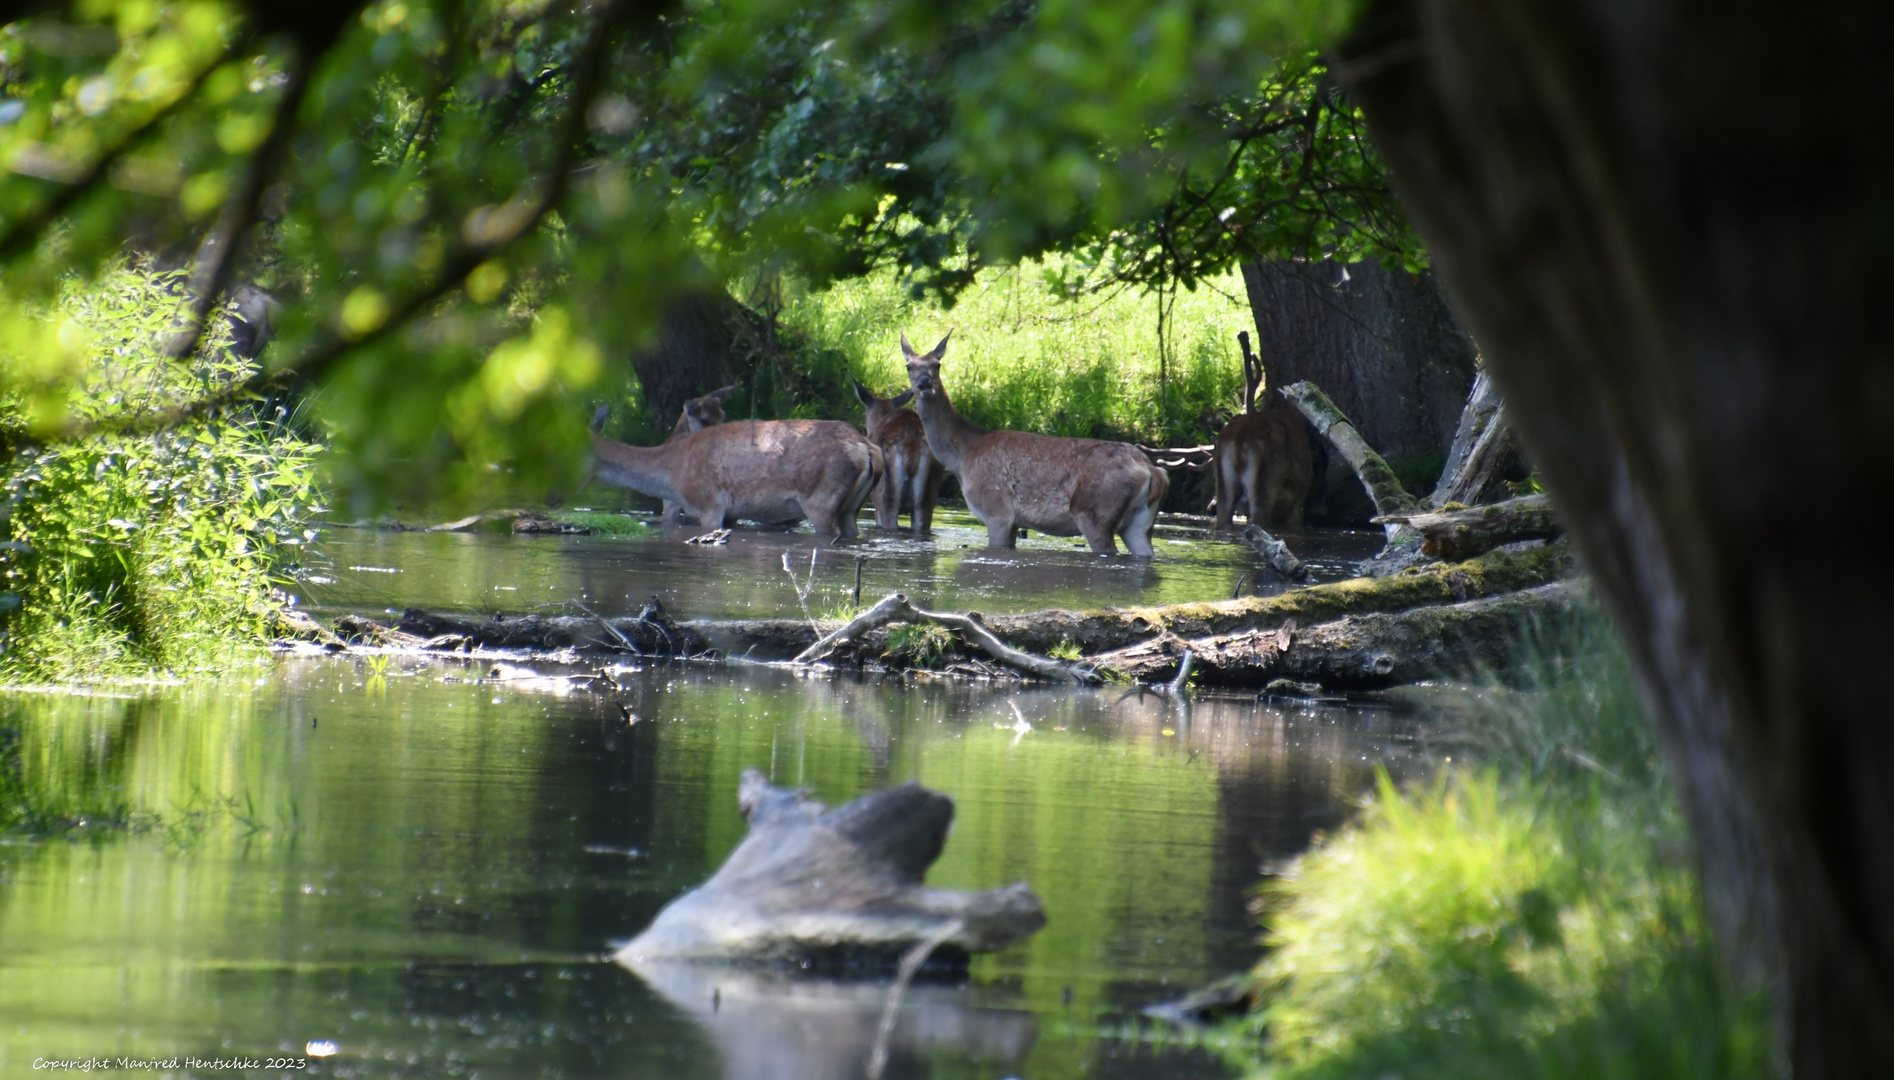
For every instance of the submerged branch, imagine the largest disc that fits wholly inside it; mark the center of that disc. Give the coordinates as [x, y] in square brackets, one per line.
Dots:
[896, 608]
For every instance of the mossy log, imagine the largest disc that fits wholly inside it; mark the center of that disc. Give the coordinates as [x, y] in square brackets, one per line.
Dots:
[1365, 652]
[896, 607]
[1474, 530]
[1481, 474]
[1383, 488]
[1104, 629]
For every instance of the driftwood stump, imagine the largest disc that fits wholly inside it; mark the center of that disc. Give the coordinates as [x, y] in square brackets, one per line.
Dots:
[833, 888]
[1475, 530]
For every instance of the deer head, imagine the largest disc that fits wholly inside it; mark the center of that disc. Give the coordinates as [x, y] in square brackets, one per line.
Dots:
[924, 368]
[706, 411]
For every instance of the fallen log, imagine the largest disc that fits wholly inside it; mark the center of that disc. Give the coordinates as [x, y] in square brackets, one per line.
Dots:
[1383, 488]
[1103, 629]
[896, 608]
[1465, 532]
[1275, 552]
[1364, 652]
[652, 632]
[833, 888]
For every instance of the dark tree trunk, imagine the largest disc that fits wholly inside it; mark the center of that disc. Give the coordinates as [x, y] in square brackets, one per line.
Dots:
[1668, 227]
[706, 340]
[1382, 344]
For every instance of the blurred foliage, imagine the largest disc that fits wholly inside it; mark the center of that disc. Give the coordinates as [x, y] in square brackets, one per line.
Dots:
[472, 211]
[128, 551]
[1529, 916]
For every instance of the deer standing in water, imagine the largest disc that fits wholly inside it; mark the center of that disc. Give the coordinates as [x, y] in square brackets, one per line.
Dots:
[769, 471]
[1262, 457]
[698, 413]
[1015, 479]
[912, 475]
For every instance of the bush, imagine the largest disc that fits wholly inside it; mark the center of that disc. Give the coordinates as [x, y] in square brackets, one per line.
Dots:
[1526, 918]
[129, 552]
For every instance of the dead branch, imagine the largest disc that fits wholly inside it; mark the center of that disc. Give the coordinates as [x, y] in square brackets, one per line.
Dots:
[1464, 532]
[1383, 488]
[895, 607]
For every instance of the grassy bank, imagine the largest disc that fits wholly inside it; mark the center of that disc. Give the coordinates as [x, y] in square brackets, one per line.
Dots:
[1025, 357]
[1528, 914]
[130, 553]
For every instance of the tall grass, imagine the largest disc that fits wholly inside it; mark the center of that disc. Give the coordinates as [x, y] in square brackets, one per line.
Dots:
[1025, 357]
[131, 553]
[1525, 915]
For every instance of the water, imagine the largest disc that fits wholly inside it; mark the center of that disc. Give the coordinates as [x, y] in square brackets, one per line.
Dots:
[366, 569]
[429, 869]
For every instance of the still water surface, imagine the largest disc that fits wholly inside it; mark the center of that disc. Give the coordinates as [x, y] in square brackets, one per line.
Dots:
[429, 868]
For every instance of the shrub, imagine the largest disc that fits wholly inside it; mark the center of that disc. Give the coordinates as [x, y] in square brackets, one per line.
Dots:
[1520, 919]
[130, 552]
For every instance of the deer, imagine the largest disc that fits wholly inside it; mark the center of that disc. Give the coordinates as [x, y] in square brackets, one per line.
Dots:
[1014, 479]
[1262, 457]
[772, 472]
[698, 413]
[912, 475]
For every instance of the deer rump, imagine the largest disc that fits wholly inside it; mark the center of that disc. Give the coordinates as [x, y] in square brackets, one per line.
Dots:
[1264, 462]
[1063, 486]
[772, 472]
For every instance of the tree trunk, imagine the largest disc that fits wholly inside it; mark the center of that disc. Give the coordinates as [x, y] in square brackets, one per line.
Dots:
[1382, 343]
[1668, 227]
[705, 340]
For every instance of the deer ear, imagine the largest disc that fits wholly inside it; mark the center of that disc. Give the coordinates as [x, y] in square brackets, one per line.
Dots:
[719, 395]
[862, 393]
[902, 398]
[598, 418]
[906, 349]
[940, 350]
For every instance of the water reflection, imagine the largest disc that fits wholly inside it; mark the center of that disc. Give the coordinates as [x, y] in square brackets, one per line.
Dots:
[363, 569]
[767, 1025]
[429, 868]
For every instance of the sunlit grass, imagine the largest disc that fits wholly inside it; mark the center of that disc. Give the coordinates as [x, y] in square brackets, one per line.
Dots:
[605, 524]
[1022, 357]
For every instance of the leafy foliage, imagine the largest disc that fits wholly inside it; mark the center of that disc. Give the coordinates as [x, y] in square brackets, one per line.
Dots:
[469, 209]
[1522, 919]
[128, 551]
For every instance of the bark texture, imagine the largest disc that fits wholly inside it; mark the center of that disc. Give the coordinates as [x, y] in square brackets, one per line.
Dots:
[1689, 325]
[1382, 343]
[1474, 530]
[705, 341]
[1367, 652]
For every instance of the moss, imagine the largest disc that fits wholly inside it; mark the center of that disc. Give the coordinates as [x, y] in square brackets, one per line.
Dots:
[606, 524]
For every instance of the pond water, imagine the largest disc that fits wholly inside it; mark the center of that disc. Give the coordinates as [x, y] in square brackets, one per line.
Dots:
[374, 570]
[428, 868]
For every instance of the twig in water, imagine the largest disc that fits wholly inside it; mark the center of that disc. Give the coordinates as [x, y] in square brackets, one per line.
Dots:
[609, 628]
[911, 962]
[802, 589]
[856, 597]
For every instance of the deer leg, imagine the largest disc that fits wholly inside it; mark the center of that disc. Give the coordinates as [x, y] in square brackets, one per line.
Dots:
[1255, 505]
[1000, 532]
[888, 496]
[671, 510]
[1137, 530]
[1226, 489]
[923, 519]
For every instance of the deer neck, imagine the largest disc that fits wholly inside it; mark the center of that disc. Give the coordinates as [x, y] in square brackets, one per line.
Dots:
[949, 435]
[646, 469]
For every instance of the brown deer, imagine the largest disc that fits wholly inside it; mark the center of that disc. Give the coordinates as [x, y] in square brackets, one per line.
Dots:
[769, 471]
[698, 413]
[912, 476]
[1015, 479]
[1262, 457]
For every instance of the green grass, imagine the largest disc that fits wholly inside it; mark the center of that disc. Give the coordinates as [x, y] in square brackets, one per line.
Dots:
[920, 644]
[1521, 916]
[1023, 357]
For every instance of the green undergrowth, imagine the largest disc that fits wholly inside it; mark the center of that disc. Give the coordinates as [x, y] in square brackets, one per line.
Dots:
[132, 554]
[1526, 913]
[605, 523]
[921, 645]
[1025, 357]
